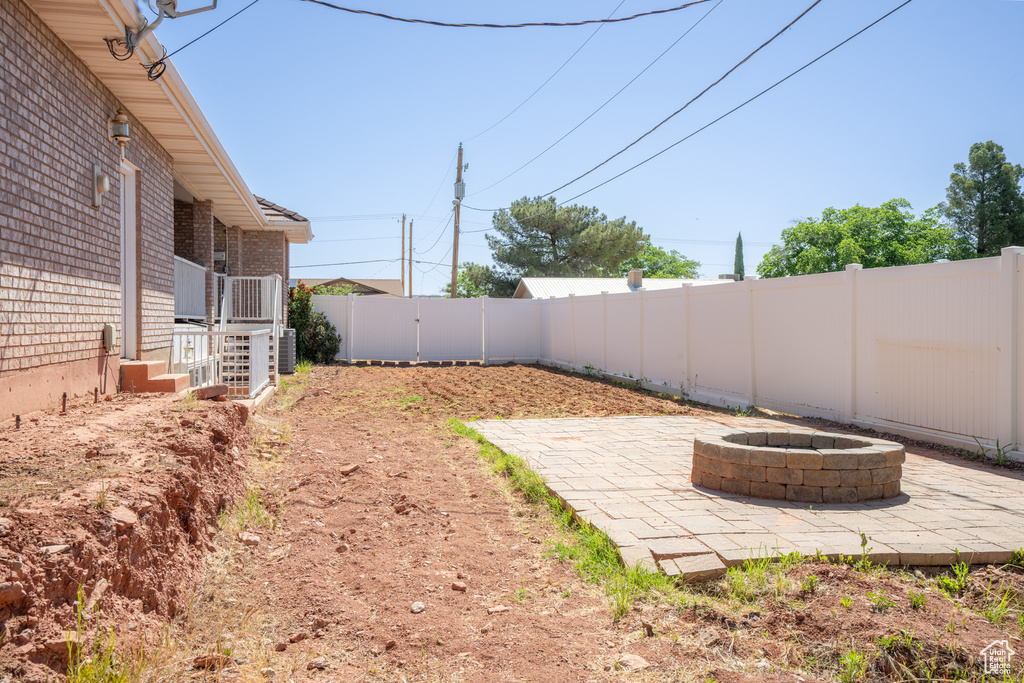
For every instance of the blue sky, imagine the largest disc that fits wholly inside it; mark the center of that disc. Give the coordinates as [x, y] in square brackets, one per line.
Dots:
[353, 120]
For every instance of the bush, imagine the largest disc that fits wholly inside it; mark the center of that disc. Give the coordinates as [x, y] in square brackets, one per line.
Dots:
[316, 339]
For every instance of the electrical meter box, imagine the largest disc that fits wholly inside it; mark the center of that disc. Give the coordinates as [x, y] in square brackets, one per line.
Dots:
[108, 336]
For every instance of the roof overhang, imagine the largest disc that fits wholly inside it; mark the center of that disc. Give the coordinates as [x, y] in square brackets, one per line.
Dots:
[165, 107]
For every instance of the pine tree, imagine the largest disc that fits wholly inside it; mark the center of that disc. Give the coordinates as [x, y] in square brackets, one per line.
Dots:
[738, 265]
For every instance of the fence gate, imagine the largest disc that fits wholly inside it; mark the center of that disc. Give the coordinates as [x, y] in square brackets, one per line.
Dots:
[383, 329]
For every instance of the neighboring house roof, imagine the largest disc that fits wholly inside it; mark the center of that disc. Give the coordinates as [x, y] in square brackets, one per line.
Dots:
[544, 287]
[165, 107]
[369, 287]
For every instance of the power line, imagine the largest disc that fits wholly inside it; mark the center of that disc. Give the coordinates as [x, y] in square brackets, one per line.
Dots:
[606, 102]
[713, 122]
[156, 69]
[439, 186]
[439, 236]
[353, 263]
[541, 86]
[533, 24]
[694, 99]
[741, 105]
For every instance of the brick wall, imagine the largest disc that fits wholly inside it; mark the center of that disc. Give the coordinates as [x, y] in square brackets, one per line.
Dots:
[266, 253]
[59, 256]
[183, 229]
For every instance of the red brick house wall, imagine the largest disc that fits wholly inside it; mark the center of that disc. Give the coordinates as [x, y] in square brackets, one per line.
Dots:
[60, 256]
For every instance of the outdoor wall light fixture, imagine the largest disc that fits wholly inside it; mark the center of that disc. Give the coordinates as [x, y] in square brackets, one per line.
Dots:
[120, 130]
[100, 184]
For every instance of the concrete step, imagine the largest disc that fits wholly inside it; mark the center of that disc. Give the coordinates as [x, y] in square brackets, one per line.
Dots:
[139, 372]
[168, 383]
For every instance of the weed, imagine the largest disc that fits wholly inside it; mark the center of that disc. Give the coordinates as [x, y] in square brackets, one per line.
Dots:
[1000, 457]
[188, 401]
[846, 601]
[103, 500]
[995, 611]
[249, 513]
[880, 602]
[809, 584]
[1018, 558]
[761, 576]
[954, 585]
[521, 594]
[100, 663]
[853, 666]
[917, 600]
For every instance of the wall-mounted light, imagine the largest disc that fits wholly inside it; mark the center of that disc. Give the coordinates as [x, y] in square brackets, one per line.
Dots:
[120, 130]
[100, 184]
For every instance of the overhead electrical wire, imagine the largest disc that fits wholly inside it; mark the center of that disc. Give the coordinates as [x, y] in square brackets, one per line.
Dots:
[439, 185]
[713, 122]
[439, 236]
[157, 68]
[606, 102]
[354, 263]
[532, 24]
[692, 100]
[541, 86]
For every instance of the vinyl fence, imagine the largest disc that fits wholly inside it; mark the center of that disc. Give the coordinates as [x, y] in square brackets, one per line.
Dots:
[932, 350]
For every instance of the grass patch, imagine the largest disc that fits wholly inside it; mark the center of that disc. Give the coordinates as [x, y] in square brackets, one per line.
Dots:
[101, 662]
[249, 513]
[591, 551]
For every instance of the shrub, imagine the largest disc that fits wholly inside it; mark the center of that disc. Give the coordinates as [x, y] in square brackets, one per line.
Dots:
[316, 339]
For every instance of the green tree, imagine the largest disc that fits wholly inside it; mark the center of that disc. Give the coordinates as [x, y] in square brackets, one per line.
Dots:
[658, 263]
[984, 201]
[477, 280]
[535, 237]
[316, 339]
[737, 266]
[889, 235]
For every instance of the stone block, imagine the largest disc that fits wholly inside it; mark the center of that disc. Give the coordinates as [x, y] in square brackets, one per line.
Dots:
[737, 486]
[821, 478]
[704, 464]
[800, 439]
[891, 490]
[855, 478]
[803, 459]
[804, 494]
[768, 457]
[873, 492]
[749, 472]
[756, 437]
[734, 454]
[821, 440]
[778, 437]
[885, 475]
[835, 459]
[839, 494]
[669, 567]
[781, 475]
[696, 477]
[679, 546]
[710, 480]
[700, 567]
[708, 447]
[637, 555]
[850, 442]
[894, 456]
[763, 489]
[870, 459]
[739, 438]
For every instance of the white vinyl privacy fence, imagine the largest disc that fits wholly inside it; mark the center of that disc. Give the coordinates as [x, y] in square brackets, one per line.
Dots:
[931, 350]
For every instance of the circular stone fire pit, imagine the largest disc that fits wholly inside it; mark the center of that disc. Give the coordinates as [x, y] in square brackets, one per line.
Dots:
[807, 467]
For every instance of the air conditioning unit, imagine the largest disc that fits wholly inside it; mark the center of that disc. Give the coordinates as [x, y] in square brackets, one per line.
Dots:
[286, 352]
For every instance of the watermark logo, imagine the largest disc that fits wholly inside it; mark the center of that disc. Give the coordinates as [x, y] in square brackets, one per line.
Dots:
[997, 657]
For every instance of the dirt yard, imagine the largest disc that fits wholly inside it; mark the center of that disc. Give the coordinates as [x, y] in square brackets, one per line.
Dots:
[371, 542]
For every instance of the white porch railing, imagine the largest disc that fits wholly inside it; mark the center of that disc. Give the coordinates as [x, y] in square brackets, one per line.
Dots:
[238, 358]
[189, 289]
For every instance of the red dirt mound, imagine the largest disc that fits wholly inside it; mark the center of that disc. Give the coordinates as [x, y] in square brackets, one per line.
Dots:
[118, 499]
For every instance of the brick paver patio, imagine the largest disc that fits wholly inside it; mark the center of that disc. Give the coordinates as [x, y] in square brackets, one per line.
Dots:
[630, 477]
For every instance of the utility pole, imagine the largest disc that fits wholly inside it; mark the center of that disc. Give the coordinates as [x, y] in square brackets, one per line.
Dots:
[460, 192]
[410, 257]
[402, 253]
